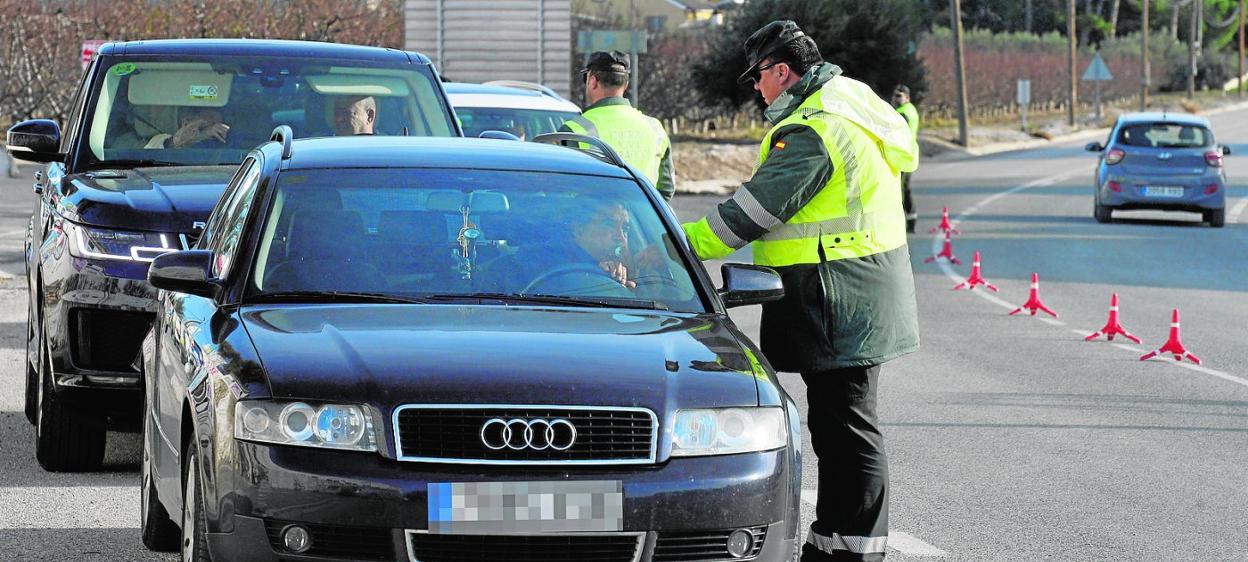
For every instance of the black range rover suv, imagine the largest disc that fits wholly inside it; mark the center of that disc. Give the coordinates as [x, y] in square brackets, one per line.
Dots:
[158, 129]
[458, 350]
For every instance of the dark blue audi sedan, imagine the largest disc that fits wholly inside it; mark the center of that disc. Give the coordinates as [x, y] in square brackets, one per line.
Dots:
[458, 349]
[1166, 161]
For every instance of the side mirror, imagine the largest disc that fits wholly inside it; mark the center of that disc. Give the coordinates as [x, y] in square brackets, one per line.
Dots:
[1226, 150]
[188, 271]
[36, 140]
[1094, 147]
[749, 284]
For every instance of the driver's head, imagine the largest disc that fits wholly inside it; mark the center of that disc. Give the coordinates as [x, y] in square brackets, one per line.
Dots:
[602, 230]
[354, 115]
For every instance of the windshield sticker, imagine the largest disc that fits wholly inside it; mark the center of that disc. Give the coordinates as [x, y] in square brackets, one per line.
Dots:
[123, 69]
[199, 92]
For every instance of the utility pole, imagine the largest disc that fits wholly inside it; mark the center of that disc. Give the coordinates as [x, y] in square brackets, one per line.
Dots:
[1145, 77]
[959, 64]
[1070, 35]
[1191, 49]
[1240, 81]
[1027, 16]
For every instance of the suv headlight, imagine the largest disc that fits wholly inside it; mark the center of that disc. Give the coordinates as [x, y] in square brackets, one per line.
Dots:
[106, 244]
[723, 431]
[329, 426]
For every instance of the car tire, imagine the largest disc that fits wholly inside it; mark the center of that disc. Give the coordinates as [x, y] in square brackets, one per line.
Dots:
[65, 441]
[1216, 217]
[32, 373]
[159, 531]
[194, 547]
[1102, 214]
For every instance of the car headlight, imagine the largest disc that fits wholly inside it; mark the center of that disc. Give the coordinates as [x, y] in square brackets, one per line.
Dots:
[330, 426]
[723, 431]
[106, 244]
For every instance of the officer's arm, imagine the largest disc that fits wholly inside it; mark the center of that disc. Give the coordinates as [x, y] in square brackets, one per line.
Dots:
[797, 167]
[667, 176]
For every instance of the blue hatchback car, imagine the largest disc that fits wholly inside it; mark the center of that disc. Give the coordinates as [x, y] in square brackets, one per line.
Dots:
[1161, 161]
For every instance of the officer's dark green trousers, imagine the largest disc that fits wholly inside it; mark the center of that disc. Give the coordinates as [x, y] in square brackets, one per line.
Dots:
[851, 518]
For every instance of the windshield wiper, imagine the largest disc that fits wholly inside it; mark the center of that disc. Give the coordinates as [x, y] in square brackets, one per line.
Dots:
[560, 300]
[334, 296]
[132, 164]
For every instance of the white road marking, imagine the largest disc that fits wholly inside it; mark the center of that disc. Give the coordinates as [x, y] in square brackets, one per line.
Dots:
[904, 543]
[1237, 210]
[69, 507]
[954, 221]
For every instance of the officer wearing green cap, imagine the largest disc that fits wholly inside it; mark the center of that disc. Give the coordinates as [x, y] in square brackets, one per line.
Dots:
[639, 139]
[823, 208]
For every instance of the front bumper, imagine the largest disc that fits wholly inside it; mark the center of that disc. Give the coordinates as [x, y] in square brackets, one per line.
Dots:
[337, 494]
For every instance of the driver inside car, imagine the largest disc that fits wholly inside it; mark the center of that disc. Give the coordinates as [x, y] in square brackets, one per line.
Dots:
[198, 127]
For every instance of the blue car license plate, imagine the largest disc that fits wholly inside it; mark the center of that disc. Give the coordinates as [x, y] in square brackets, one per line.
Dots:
[478, 508]
[1163, 191]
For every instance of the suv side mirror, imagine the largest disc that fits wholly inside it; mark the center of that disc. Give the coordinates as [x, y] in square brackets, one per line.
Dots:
[1094, 147]
[1226, 150]
[36, 140]
[187, 271]
[749, 284]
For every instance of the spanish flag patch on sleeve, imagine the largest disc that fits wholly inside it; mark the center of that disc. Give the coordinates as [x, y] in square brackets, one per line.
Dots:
[779, 145]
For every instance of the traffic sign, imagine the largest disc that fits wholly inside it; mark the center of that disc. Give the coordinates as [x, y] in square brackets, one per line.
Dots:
[1097, 70]
[89, 47]
[1024, 92]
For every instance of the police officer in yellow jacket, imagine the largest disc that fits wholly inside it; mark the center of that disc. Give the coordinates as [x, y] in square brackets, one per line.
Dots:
[901, 100]
[824, 209]
[639, 139]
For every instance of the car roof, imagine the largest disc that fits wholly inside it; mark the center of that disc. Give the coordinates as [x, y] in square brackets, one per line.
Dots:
[1163, 117]
[260, 47]
[462, 94]
[442, 152]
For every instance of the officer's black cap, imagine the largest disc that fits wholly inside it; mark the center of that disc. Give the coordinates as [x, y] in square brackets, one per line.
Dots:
[766, 41]
[607, 61]
[902, 88]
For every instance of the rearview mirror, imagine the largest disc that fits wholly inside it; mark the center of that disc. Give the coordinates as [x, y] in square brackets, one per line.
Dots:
[36, 140]
[749, 284]
[188, 271]
[1094, 147]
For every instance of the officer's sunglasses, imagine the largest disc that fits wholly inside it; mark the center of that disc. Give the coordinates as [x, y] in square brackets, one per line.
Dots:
[758, 72]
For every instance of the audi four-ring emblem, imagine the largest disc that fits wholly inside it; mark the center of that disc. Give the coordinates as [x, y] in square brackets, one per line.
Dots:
[535, 435]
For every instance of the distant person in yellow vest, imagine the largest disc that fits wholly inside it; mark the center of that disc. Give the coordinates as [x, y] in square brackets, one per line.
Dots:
[639, 139]
[824, 209]
[901, 101]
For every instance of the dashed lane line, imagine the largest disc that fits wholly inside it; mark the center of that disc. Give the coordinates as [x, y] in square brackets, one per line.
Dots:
[1237, 210]
[904, 543]
[938, 239]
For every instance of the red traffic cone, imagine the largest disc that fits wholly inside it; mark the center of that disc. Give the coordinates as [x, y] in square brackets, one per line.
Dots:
[1033, 299]
[1112, 327]
[946, 252]
[944, 225]
[1173, 345]
[976, 278]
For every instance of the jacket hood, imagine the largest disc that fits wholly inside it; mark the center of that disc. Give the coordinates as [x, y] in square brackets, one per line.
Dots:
[168, 199]
[456, 354]
[855, 101]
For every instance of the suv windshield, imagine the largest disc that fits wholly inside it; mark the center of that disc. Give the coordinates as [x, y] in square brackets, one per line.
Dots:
[1165, 135]
[524, 123]
[479, 235]
[188, 111]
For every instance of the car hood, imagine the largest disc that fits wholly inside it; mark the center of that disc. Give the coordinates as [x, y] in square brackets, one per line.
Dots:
[492, 354]
[169, 199]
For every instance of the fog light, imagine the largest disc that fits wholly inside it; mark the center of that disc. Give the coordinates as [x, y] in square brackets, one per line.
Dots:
[740, 543]
[296, 538]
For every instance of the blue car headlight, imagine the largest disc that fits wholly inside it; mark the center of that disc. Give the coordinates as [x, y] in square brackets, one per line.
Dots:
[330, 426]
[106, 244]
[724, 431]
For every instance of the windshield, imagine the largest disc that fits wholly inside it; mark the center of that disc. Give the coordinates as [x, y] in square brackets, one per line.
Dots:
[479, 235]
[162, 110]
[524, 123]
[1165, 135]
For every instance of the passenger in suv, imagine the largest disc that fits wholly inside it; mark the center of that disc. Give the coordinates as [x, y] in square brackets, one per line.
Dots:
[376, 377]
[128, 180]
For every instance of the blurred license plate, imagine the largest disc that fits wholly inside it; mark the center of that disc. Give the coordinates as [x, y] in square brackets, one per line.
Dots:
[1163, 191]
[478, 508]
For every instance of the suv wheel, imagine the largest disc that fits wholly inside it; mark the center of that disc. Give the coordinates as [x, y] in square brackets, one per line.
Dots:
[159, 531]
[1101, 213]
[194, 534]
[1215, 217]
[65, 441]
[32, 374]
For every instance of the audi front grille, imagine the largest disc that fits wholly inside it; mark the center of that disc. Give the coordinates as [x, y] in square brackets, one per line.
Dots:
[525, 434]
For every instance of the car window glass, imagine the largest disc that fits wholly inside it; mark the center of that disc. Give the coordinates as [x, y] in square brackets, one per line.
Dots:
[227, 233]
[1165, 135]
[458, 232]
[524, 123]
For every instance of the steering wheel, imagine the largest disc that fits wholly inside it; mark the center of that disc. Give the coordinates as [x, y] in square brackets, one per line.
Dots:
[568, 269]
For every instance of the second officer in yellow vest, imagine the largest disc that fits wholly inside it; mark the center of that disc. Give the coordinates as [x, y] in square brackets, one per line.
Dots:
[824, 209]
[638, 138]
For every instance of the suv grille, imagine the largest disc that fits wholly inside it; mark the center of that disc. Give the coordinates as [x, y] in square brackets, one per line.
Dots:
[525, 548]
[703, 545]
[603, 435]
[338, 542]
